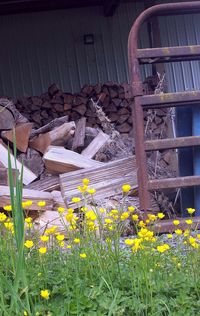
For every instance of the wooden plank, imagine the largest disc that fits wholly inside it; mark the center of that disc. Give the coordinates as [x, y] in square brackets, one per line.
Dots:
[60, 160]
[91, 150]
[28, 175]
[170, 183]
[4, 179]
[167, 226]
[106, 179]
[47, 184]
[33, 195]
[79, 136]
[170, 143]
[20, 134]
[48, 127]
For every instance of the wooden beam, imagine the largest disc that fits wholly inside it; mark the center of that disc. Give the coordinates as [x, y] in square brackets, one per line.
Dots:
[109, 7]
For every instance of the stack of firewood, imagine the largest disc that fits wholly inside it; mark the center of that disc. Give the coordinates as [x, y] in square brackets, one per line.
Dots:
[112, 97]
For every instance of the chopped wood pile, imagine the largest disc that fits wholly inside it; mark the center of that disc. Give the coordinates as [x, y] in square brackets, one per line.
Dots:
[62, 138]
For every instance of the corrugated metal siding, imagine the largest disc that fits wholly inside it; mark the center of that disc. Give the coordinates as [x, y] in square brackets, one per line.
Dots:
[38, 49]
[181, 30]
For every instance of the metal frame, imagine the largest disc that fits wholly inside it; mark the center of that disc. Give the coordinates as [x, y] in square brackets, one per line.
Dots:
[156, 55]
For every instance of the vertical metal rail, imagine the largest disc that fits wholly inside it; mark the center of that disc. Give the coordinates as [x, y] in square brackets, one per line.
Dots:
[186, 53]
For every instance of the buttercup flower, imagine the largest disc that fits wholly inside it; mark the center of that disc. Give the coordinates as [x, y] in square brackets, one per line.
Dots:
[135, 217]
[42, 250]
[83, 255]
[191, 210]
[76, 199]
[176, 222]
[124, 216]
[85, 181]
[126, 188]
[60, 237]
[2, 217]
[178, 232]
[77, 240]
[45, 294]
[41, 203]
[189, 221]
[7, 208]
[91, 191]
[29, 244]
[60, 210]
[44, 238]
[163, 248]
[160, 215]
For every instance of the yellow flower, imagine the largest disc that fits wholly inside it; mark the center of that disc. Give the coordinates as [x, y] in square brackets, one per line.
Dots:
[51, 231]
[176, 222]
[44, 238]
[60, 210]
[169, 236]
[76, 240]
[9, 226]
[108, 221]
[41, 203]
[152, 217]
[198, 236]
[83, 255]
[178, 232]
[91, 191]
[189, 221]
[85, 181]
[161, 215]
[60, 237]
[29, 244]
[191, 210]
[163, 248]
[124, 216]
[2, 217]
[102, 210]
[25, 313]
[29, 203]
[68, 246]
[90, 215]
[28, 220]
[61, 244]
[126, 188]
[45, 294]
[129, 242]
[131, 208]
[76, 199]
[84, 209]
[186, 232]
[7, 208]
[141, 224]
[42, 250]
[70, 210]
[82, 189]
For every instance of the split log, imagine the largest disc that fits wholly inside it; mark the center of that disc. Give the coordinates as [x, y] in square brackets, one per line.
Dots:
[107, 179]
[79, 136]
[46, 184]
[33, 195]
[9, 115]
[59, 160]
[99, 141]
[4, 178]
[20, 134]
[32, 160]
[57, 136]
[48, 127]
[28, 175]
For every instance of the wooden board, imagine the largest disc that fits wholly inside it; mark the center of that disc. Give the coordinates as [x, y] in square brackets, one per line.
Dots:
[33, 195]
[60, 160]
[28, 175]
[79, 136]
[106, 179]
[47, 184]
[91, 150]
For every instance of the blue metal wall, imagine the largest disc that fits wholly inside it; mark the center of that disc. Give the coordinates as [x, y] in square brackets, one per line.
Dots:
[38, 49]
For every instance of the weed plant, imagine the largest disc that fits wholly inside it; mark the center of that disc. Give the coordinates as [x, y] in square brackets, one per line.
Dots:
[84, 270]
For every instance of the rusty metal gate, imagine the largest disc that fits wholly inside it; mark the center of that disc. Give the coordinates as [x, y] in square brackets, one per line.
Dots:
[140, 101]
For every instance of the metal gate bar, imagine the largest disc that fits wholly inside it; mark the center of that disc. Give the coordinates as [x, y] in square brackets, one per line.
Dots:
[154, 55]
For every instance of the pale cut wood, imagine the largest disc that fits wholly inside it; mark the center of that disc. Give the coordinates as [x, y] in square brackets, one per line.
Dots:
[33, 195]
[106, 179]
[48, 127]
[20, 134]
[60, 160]
[47, 184]
[28, 175]
[57, 136]
[79, 136]
[58, 200]
[99, 141]
[7, 119]
[49, 219]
